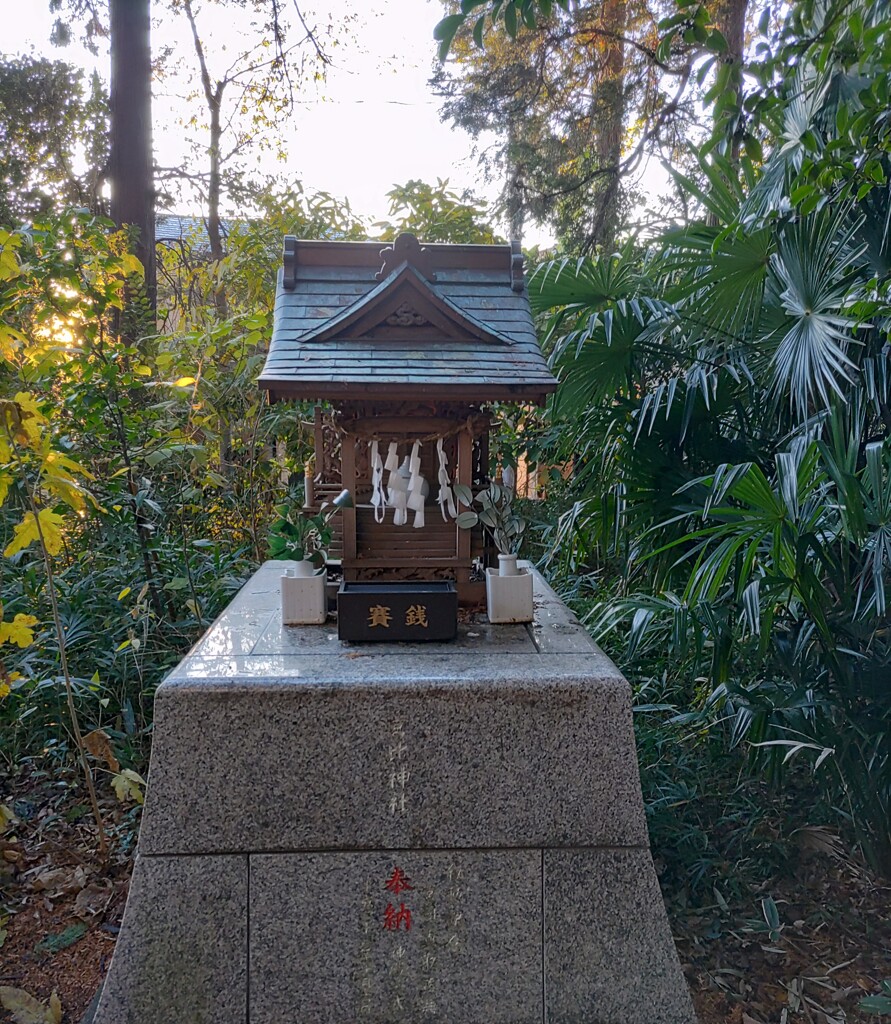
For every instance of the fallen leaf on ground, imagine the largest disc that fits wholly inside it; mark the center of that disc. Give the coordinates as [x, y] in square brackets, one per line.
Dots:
[25, 1009]
[93, 900]
[10, 853]
[49, 878]
[52, 879]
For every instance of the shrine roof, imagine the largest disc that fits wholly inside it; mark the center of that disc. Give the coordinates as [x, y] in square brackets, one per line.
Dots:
[361, 319]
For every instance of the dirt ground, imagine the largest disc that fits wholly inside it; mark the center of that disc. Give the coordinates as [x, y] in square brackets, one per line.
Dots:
[832, 950]
[61, 908]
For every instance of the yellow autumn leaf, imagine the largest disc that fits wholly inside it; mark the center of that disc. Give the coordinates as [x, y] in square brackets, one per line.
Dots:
[10, 342]
[65, 488]
[5, 689]
[128, 786]
[59, 459]
[9, 265]
[131, 265]
[18, 631]
[184, 382]
[5, 481]
[26, 532]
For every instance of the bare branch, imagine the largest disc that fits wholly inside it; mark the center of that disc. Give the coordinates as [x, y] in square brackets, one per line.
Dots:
[199, 51]
[310, 35]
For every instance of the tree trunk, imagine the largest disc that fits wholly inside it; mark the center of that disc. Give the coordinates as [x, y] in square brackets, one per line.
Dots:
[610, 126]
[213, 95]
[214, 191]
[131, 174]
[514, 198]
[729, 17]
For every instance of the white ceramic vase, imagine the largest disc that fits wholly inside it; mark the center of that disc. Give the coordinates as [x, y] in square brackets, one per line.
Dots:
[509, 595]
[507, 565]
[304, 598]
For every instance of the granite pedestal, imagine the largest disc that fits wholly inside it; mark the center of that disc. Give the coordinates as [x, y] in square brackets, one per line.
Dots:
[393, 833]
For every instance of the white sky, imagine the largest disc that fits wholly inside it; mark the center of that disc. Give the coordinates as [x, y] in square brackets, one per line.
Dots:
[373, 124]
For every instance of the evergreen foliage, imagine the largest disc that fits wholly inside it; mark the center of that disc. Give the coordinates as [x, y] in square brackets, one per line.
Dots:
[726, 403]
[55, 139]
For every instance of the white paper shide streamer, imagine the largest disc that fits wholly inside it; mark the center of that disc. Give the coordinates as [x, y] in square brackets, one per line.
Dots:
[392, 463]
[406, 488]
[417, 486]
[378, 500]
[446, 496]
[397, 492]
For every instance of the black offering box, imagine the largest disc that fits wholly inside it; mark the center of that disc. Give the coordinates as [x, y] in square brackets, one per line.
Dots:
[392, 611]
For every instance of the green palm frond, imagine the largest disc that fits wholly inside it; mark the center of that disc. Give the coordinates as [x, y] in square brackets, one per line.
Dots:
[715, 282]
[815, 268]
[584, 283]
[720, 191]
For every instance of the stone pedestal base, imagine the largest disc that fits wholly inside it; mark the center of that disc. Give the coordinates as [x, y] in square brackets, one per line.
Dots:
[403, 833]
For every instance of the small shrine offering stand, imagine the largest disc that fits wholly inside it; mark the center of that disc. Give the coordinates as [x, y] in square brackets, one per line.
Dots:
[399, 833]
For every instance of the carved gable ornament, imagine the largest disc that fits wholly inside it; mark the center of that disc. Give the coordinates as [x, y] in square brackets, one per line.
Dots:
[405, 308]
[406, 249]
[407, 316]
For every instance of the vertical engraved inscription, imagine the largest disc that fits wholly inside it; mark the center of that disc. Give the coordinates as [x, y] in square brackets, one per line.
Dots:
[398, 771]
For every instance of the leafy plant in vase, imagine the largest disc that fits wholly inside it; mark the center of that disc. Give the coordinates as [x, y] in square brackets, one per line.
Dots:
[509, 588]
[304, 538]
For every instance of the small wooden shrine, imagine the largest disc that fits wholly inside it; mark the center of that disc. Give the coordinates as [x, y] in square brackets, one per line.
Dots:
[407, 346]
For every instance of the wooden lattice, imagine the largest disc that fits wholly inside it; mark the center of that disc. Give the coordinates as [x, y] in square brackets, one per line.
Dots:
[381, 550]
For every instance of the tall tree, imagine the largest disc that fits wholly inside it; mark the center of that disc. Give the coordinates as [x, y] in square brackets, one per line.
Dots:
[247, 99]
[131, 168]
[561, 97]
[607, 39]
[127, 23]
[579, 95]
[729, 17]
[259, 82]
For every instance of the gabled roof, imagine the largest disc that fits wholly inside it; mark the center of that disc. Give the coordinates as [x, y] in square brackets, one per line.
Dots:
[356, 320]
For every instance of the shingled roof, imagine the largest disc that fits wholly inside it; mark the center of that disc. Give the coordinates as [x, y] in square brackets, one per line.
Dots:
[356, 319]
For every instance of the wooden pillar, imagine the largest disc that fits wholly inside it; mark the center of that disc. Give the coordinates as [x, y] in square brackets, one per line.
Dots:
[465, 476]
[348, 476]
[318, 439]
